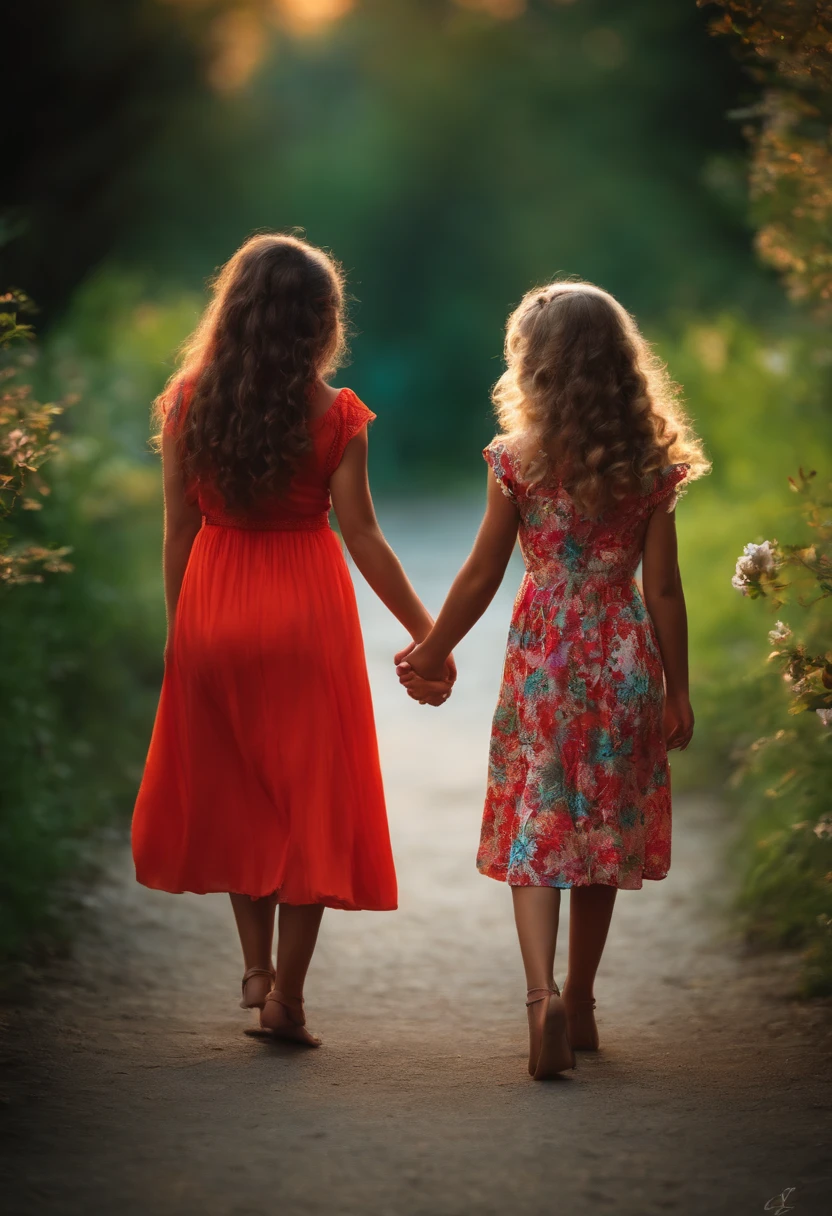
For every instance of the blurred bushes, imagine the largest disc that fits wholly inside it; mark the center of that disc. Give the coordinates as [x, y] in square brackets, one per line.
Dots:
[787, 47]
[80, 653]
[780, 786]
[762, 403]
[27, 440]
[783, 778]
[760, 400]
[783, 764]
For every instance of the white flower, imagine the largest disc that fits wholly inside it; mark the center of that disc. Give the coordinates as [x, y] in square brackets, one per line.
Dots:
[825, 716]
[753, 562]
[763, 557]
[780, 633]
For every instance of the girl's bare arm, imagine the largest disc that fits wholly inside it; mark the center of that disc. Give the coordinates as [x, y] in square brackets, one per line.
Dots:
[365, 541]
[182, 522]
[665, 601]
[473, 588]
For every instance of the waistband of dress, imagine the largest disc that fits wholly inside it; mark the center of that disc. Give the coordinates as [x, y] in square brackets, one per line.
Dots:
[595, 588]
[310, 523]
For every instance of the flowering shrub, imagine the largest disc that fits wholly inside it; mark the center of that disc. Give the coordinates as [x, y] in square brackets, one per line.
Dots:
[784, 776]
[27, 440]
[755, 563]
[802, 574]
[80, 655]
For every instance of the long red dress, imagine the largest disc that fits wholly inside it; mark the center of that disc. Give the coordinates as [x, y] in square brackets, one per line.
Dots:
[263, 773]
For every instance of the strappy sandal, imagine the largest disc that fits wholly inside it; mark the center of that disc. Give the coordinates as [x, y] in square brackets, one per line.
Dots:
[280, 1018]
[556, 1054]
[580, 1024]
[249, 975]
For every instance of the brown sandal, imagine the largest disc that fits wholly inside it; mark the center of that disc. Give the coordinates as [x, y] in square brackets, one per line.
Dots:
[279, 1016]
[249, 975]
[556, 1054]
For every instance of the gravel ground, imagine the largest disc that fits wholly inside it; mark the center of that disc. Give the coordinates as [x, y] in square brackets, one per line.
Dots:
[131, 1089]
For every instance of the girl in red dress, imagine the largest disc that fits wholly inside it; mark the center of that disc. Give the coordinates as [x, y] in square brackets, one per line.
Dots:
[263, 775]
[595, 687]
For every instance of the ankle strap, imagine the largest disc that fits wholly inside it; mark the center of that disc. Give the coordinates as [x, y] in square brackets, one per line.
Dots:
[290, 1004]
[544, 993]
[252, 971]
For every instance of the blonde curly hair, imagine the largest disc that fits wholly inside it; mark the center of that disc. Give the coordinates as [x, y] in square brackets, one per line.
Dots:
[585, 398]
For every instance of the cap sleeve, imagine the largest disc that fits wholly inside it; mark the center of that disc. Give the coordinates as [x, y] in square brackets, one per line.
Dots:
[497, 457]
[666, 491]
[353, 416]
[172, 404]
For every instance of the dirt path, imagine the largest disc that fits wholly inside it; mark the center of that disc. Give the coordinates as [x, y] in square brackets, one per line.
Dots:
[132, 1090]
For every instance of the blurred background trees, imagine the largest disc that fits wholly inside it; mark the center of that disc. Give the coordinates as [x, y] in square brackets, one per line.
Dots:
[451, 153]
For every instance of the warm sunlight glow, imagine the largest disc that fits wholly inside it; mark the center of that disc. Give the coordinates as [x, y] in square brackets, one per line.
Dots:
[311, 16]
[240, 43]
[505, 9]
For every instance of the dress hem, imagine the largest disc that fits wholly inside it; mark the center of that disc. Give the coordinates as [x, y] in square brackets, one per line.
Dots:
[568, 886]
[328, 901]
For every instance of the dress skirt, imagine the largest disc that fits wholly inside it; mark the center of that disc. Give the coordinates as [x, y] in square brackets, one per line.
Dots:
[263, 774]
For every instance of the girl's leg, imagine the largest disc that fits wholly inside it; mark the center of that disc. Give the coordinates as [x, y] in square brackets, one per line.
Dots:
[297, 933]
[590, 913]
[255, 925]
[536, 915]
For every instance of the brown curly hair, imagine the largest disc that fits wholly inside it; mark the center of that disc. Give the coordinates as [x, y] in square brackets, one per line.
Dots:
[584, 398]
[275, 324]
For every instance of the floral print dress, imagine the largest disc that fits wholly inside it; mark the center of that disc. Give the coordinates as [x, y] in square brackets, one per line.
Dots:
[578, 781]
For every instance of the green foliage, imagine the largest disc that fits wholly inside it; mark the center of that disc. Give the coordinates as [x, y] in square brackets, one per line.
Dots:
[27, 440]
[783, 772]
[761, 401]
[763, 571]
[80, 655]
[759, 398]
[783, 778]
[787, 45]
[781, 786]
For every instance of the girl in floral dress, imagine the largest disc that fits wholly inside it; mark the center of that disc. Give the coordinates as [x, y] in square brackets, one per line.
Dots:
[593, 452]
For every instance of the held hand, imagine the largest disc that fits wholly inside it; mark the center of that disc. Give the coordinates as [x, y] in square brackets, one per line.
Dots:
[448, 675]
[678, 722]
[426, 665]
[426, 692]
[402, 654]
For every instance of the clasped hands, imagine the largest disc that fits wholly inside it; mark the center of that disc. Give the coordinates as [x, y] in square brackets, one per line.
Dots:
[424, 678]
